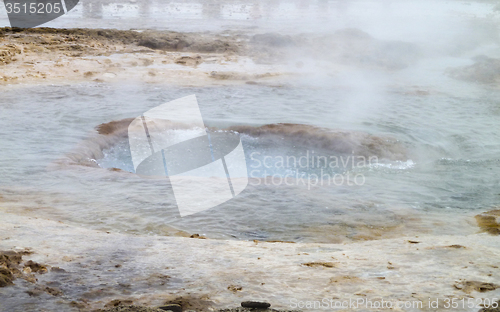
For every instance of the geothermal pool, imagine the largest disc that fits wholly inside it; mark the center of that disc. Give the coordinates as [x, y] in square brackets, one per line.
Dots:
[444, 166]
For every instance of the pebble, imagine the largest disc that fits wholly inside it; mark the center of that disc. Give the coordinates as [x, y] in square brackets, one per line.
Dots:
[171, 307]
[255, 304]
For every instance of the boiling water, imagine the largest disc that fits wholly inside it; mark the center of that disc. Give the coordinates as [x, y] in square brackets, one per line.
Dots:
[450, 169]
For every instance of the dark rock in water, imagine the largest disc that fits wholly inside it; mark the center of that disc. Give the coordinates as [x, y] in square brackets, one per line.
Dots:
[484, 70]
[118, 302]
[6, 277]
[489, 222]
[171, 307]
[198, 236]
[186, 43]
[272, 40]
[255, 304]
[36, 267]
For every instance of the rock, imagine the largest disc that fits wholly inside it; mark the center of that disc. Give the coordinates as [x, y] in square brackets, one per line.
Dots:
[255, 305]
[57, 270]
[187, 43]
[320, 264]
[171, 307]
[272, 40]
[484, 70]
[189, 60]
[234, 288]
[8, 53]
[6, 277]
[198, 236]
[36, 267]
[456, 246]
[489, 222]
[38, 290]
[118, 302]
[470, 286]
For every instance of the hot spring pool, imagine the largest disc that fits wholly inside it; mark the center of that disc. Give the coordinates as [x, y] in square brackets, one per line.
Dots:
[445, 166]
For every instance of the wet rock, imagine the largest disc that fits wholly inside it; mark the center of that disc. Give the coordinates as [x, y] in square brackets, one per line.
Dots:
[9, 267]
[345, 279]
[10, 258]
[356, 47]
[186, 42]
[6, 277]
[117, 127]
[234, 288]
[489, 222]
[456, 246]
[470, 286]
[189, 60]
[171, 43]
[36, 267]
[484, 70]
[272, 40]
[320, 264]
[57, 270]
[255, 304]
[118, 302]
[198, 236]
[8, 53]
[38, 290]
[171, 307]
[356, 143]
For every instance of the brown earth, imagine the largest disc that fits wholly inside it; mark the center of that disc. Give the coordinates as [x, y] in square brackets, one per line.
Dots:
[489, 222]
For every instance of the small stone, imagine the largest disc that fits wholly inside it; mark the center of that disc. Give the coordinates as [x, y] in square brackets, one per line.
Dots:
[255, 304]
[171, 307]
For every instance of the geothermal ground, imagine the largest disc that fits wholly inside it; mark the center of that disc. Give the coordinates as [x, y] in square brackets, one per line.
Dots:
[50, 265]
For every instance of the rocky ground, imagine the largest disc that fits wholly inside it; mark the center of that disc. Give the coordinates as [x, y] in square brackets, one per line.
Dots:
[485, 70]
[113, 272]
[70, 55]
